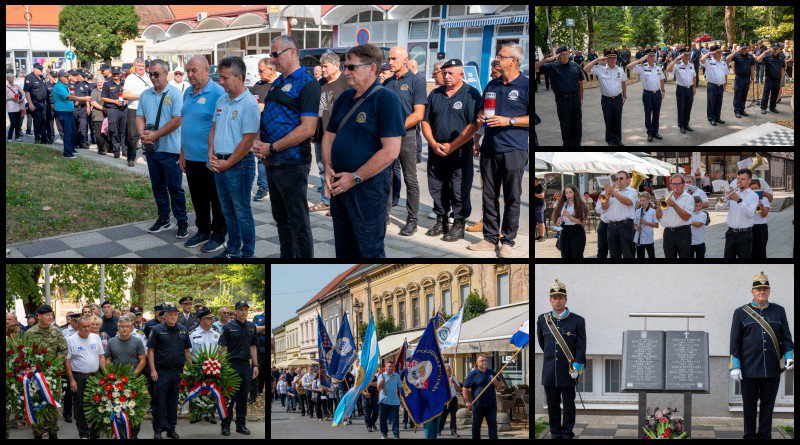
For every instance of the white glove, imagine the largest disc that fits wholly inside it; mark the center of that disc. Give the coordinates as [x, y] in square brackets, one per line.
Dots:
[736, 374]
[574, 374]
[790, 364]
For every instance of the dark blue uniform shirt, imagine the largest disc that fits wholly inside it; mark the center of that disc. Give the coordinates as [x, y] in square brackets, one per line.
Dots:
[512, 101]
[773, 65]
[742, 64]
[448, 116]
[169, 344]
[82, 89]
[35, 85]
[261, 320]
[752, 349]
[113, 91]
[410, 89]
[555, 366]
[475, 382]
[238, 337]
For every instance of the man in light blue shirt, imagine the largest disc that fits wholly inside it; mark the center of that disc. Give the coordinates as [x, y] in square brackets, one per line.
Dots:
[389, 400]
[235, 127]
[162, 163]
[199, 104]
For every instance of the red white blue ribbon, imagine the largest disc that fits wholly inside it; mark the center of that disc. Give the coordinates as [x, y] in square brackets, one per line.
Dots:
[215, 390]
[47, 395]
[121, 425]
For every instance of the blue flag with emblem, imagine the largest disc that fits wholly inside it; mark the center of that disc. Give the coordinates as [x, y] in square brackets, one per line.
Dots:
[324, 352]
[367, 367]
[424, 381]
[344, 353]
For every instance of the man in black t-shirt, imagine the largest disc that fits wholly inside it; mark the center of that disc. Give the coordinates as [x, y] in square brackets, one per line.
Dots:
[538, 205]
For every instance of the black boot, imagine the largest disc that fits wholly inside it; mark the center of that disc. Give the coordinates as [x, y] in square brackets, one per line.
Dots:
[437, 228]
[409, 228]
[456, 232]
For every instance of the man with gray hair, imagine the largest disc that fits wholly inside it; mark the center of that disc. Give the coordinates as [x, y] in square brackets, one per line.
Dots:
[267, 74]
[134, 85]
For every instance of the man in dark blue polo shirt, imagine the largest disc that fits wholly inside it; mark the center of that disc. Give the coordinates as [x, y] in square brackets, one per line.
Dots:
[479, 381]
[361, 141]
[289, 119]
[412, 93]
[448, 127]
[504, 152]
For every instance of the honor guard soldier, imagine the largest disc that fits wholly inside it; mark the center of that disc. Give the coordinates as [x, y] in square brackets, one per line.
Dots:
[167, 351]
[562, 337]
[567, 79]
[676, 220]
[36, 95]
[82, 89]
[186, 318]
[240, 340]
[744, 66]
[760, 336]
[774, 66]
[653, 91]
[620, 211]
[716, 74]
[115, 106]
[685, 77]
[48, 335]
[741, 206]
[614, 90]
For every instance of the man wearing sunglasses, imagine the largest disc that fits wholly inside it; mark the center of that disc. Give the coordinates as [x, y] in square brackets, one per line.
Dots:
[620, 210]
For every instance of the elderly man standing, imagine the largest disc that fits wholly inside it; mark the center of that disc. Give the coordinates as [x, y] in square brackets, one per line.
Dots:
[267, 74]
[158, 117]
[288, 122]
[127, 349]
[361, 141]
[413, 96]
[135, 84]
[198, 113]
[85, 357]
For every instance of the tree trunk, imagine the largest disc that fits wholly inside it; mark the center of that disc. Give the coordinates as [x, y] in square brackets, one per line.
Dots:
[590, 26]
[140, 283]
[730, 13]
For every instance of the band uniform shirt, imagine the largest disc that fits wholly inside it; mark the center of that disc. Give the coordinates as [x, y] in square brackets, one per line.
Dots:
[757, 218]
[684, 74]
[751, 347]
[740, 216]
[617, 211]
[699, 192]
[651, 76]
[610, 79]
[699, 233]
[670, 217]
[570, 208]
[646, 235]
[716, 70]
[555, 366]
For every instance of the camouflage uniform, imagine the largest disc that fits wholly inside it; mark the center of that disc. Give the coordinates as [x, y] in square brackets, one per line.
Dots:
[52, 339]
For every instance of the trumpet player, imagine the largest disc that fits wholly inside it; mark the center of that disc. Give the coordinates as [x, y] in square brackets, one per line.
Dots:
[643, 224]
[741, 204]
[760, 231]
[675, 219]
[620, 207]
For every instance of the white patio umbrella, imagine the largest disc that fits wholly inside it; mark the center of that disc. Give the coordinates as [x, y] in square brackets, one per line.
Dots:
[583, 162]
[640, 165]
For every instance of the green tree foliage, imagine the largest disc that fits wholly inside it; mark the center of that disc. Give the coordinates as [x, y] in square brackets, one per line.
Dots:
[97, 32]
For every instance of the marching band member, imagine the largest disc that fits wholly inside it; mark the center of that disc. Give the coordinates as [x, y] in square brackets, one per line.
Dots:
[602, 232]
[675, 219]
[573, 214]
[741, 206]
[760, 336]
[561, 367]
[620, 206]
[699, 221]
[643, 224]
[760, 231]
[694, 190]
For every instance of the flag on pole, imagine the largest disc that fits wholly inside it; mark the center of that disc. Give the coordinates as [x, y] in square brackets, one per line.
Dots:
[344, 353]
[367, 367]
[439, 320]
[448, 334]
[520, 339]
[425, 390]
[400, 362]
[324, 352]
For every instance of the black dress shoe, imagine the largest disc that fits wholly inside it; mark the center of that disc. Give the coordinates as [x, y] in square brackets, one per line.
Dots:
[173, 435]
[657, 136]
[157, 436]
[763, 111]
[683, 131]
[409, 228]
[620, 144]
[437, 228]
[649, 138]
[243, 430]
[738, 116]
[712, 123]
[226, 431]
[773, 110]
[720, 121]
[688, 128]
[456, 232]
[68, 419]
[744, 113]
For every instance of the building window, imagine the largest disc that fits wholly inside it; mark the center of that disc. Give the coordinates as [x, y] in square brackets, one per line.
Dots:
[585, 382]
[415, 312]
[789, 383]
[613, 372]
[464, 293]
[430, 309]
[446, 301]
[502, 289]
[389, 312]
[402, 314]
[379, 313]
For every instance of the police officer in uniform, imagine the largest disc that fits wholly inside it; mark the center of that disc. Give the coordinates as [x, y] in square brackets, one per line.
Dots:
[82, 89]
[186, 317]
[158, 318]
[754, 361]
[115, 106]
[448, 126]
[239, 339]
[653, 91]
[716, 75]
[50, 115]
[167, 351]
[614, 90]
[744, 66]
[37, 97]
[205, 335]
[567, 79]
[774, 66]
[558, 374]
[685, 78]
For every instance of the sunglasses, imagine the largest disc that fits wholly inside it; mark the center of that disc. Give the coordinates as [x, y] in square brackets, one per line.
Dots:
[352, 67]
[275, 54]
[155, 74]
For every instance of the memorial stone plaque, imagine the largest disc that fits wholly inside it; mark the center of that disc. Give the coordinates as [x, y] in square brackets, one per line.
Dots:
[642, 360]
[687, 361]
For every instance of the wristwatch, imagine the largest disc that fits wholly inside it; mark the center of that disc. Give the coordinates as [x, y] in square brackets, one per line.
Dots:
[512, 122]
[357, 178]
[272, 150]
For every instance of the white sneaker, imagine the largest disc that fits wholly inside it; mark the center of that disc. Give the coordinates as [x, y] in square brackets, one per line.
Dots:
[432, 215]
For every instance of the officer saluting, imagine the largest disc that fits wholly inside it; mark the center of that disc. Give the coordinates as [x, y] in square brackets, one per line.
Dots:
[775, 65]
[685, 78]
[614, 90]
[653, 91]
[562, 337]
[744, 65]
[716, 75]
[167, 351]
[239, 339]
[567, 79]
[760, 336]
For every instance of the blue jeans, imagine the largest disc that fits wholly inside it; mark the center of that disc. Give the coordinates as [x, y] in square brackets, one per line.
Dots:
[321, 188]
[166, 179]
[431, 429]
[233, 188]
[261, 179]
[67, 120]
[389, 412]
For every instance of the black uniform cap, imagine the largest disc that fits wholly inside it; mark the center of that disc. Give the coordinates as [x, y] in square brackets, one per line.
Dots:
[38, 66]
[44, 309]
[202, 312]
[242, 304]
[452, 62]
[114, 70]
[609, 54]
[561, 49]
[648, 52]
[185, 300]
[714, 48]
[683, 50]
[776, 46]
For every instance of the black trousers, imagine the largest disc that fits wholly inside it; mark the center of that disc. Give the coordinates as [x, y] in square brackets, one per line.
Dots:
[760, 238]
[612, 115]
[39, 120]
[82, 125]
[652, 111]
[449, 409]
[573, 241]
[714, 102]
[620, 240]
[84, 429]
[15, 129]
[738, 244]
[685, 97]
[506, 170]
[771, 89]
[561, 428]
[240, 399]
[602, 240]
[103, 144]
[699, 251]
[288, 186]
[450, 181]
[649, 248]
[209, 218]
[754, 390]
[569, 117]
[678, 243]
[740, 87]
[132, 139]
[117, 126]
[165, 410]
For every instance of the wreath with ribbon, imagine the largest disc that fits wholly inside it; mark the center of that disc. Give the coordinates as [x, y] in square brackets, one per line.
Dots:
[208, 383]
[33, 379]
[115, 401]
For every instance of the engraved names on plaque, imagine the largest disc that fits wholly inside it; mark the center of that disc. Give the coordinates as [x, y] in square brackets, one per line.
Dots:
[642, 360]
[687, 361]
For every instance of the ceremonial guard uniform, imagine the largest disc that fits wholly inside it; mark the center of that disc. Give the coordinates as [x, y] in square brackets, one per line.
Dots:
[755, 360]
[559, 385]
[239, 337]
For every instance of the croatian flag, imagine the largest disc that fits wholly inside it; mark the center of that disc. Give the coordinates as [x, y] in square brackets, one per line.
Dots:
[520, 338]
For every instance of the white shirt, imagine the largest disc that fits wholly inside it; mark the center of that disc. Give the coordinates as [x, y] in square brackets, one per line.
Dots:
[764, 186]
[68, 331]
[307, 380]
[716, 70]
[617, 211]
[12, 105]
[757, 218]
[706, 181]
[740, 216]
[453, 382]
[136, 84]
[684, 73]
[281, 387]
[646, 235]
[610, 79]
[570, 208]
[651, 76]
[200, 337]
[698, 233]
[84, 353]
[699, 192]
[598, 207]
[180, 86]
[670, 217]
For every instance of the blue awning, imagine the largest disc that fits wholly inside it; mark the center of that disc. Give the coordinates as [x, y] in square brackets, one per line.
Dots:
[485, 21]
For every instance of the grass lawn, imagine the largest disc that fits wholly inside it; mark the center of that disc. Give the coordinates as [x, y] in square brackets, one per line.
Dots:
[47, 194]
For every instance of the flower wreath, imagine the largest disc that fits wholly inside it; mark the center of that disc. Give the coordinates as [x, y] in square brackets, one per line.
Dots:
[115, 401]
[33, 379]
[208, 383]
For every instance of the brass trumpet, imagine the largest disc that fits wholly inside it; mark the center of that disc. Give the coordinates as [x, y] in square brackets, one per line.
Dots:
[721, 201]
[664, 203]
[760, 207]
[636, 181]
